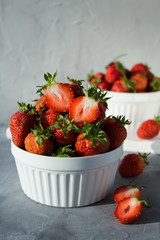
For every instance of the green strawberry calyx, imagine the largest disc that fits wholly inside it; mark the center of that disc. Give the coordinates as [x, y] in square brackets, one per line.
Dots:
[27, 108]
[144, 202]
[40, 133]
[63, 151]
[155, 84]
[77, 82]
[65, 124]
[157, 119]
[128, 83]
[119, 66]
[144, 156]
[94, 133]
[98, 95]
[49, 79]
[121, 119]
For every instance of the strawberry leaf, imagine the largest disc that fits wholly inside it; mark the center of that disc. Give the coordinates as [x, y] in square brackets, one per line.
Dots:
[49, 79]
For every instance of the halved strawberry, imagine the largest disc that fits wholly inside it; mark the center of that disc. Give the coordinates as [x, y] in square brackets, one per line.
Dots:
[126, 191]
[129, 209]
[88, 108]
[58, 95]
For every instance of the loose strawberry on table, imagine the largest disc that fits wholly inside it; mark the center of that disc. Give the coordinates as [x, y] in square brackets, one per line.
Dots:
[149, 128]
[21, 123]
[89, 108]
[126, 191]
[58, 95]
[39, 141]
[133, 164]
[129, 209]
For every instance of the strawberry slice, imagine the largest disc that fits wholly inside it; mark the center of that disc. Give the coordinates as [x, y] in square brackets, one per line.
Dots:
[58, 95]
[129, 209]
[126, 191]
[83, 109]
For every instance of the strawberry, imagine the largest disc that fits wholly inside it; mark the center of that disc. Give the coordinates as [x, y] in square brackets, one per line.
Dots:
[92, 140]
[41, 105]
[48, 118]
[129, 209]
[114, 71]
[104, 85]
[123, 85]
[149, 128]
[140, 81]
[140, 68]
[116, 131]
[126, 191]
[58, 95]
[64, 151]
[65, 130]
[21, 123]
[133, 164]
[76, 86]
[39, 141]
[95, 78]
[88, 108]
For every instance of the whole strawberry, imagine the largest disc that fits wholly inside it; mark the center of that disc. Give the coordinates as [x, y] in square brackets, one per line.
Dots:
[64, 130]
[149, 128]
[92, 140]
[76, 86]
[123, 85]
[41, 105]
[115, 71]
[140, 81]
[48, 118]
[21, 123]
[133, 164]
[116, 131]
[129, 209]
[94, 79]
[39, 141]
[140, 68]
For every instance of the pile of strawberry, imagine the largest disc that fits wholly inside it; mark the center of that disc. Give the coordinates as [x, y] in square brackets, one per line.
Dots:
[67, 121]
[120, 79]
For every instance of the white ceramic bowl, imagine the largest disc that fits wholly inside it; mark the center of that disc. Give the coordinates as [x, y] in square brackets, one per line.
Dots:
[137, 107]
[66, 182]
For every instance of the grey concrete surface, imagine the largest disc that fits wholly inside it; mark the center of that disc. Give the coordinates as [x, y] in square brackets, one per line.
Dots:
[23, 219]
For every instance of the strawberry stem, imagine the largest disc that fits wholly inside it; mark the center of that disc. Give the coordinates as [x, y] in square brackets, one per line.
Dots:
[144, 156]
[49, 79]
[157, 119]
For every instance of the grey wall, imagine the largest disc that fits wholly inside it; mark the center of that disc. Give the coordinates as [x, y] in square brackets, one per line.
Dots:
[72, 36]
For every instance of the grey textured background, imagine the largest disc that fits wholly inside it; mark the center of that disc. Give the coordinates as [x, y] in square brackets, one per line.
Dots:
[73, 36]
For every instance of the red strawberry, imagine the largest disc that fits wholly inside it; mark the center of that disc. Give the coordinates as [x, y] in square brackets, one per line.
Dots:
[41, 105]
[21, 123]
[116, 131]
[149, 128]
[96, 78]
[76, 86]
[140, 81]
[140, 68]
[104, 85]
[126, 191]
[58, 95]
[89, 107]
[115, 71]
[133, 164]
[48, 118]
[92, 140]
[129, 209]
[118, 86]
[65, 130]
[39, 141]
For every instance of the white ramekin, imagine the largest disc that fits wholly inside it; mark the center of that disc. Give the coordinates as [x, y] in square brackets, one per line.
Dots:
[136, 107]
[66, 182]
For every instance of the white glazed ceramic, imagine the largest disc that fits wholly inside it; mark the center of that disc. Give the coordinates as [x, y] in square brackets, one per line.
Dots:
[66, 182]
[136, 107]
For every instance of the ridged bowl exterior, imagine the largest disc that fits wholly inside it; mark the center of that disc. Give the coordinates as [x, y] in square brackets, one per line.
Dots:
[136, 107]
[63, 188]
